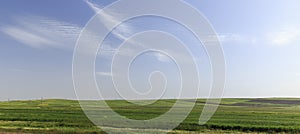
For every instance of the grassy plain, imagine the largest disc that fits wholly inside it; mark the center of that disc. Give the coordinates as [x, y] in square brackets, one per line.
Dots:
[268, 115]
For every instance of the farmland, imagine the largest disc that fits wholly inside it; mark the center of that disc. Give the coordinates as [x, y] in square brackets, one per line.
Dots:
[268, 115]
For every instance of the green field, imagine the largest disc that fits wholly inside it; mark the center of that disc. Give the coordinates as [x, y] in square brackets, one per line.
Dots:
[270, 115]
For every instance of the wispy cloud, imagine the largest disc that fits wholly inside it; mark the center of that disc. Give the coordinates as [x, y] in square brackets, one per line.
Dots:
[104, 73]
[109, 17]
[162, 57]
[28, 38]
[40, 32]
[95, 7]
[285, 36]
[123, 32]
[230, 37]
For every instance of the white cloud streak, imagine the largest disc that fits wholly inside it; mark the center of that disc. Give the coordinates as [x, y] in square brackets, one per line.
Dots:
[230, 37]
[41, 32]
[95, 7]
[26, 37]
[285, 36]
[122, 31]
[103, 73]
[162, 57]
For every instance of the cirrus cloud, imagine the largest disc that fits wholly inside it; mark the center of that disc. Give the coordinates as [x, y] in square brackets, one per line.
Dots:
[284, 36]
[40, 32]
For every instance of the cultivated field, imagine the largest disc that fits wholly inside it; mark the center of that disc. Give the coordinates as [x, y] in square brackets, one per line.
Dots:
[233, 116]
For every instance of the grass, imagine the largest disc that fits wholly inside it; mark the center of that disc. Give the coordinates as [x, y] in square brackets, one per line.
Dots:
[270, 115]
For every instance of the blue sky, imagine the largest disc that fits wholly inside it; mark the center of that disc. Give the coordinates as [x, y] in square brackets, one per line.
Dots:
[260, 41]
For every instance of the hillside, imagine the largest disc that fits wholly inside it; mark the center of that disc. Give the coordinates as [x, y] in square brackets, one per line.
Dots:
[233, 115]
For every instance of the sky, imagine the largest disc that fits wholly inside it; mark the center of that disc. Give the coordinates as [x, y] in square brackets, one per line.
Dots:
[260, 39]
